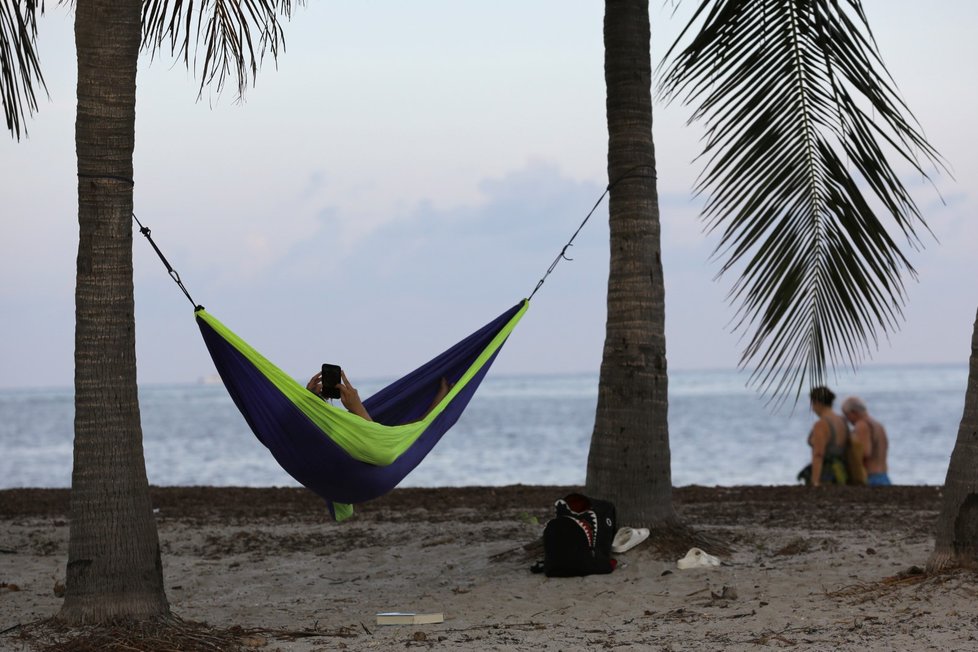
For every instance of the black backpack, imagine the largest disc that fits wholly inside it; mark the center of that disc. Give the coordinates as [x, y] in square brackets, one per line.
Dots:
[577, 541]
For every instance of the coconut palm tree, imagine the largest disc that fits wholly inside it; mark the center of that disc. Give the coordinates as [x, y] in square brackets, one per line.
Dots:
[629, 462]
[956, 540]
[802, 120]
[801, 116]
[114, 567]
[114, 570]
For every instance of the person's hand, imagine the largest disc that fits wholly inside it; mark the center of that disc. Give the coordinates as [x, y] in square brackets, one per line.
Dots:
[315, 384]
[350, 398]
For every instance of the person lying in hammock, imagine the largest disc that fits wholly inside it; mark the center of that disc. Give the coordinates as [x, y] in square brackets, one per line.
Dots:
[350, 398]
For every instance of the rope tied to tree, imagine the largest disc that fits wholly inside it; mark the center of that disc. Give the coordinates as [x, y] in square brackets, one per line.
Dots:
[169, 268]
[628, 174]
[107, 177]
[146, 232]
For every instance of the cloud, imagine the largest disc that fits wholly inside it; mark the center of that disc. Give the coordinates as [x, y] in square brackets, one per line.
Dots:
[321, 220]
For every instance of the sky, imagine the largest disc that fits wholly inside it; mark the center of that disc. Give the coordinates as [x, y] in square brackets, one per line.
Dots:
[407, 171]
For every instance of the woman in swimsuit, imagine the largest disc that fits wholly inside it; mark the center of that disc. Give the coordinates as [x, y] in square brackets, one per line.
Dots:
[828, 439]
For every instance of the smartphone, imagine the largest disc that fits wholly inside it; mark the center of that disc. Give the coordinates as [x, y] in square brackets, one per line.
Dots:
[331, 378]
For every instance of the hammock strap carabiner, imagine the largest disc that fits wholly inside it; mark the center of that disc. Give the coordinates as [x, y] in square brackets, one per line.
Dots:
[563, 252]
[169, 268]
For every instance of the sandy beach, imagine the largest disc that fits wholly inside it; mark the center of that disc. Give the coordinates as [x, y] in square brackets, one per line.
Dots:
[834, 568]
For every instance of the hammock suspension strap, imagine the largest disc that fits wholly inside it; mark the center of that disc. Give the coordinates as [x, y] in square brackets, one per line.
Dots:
[169, 268]
[146, 232]
[628, 174]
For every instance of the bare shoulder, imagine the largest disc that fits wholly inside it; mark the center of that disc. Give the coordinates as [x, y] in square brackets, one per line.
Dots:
[820, 431]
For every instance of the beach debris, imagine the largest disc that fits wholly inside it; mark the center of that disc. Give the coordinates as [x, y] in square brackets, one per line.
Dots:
[526, 517]
[443, 540]
[253, 641]
[167, 635]
[796, 546]
[696, 558]
[725, 593]
[913, 571]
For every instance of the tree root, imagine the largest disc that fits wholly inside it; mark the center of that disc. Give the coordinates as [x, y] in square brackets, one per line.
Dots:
[673, 540]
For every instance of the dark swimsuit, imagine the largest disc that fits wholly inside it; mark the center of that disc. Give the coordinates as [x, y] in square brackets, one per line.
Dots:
[832, 450]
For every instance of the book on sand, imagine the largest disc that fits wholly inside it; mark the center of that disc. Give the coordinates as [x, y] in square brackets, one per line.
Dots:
[408, 618]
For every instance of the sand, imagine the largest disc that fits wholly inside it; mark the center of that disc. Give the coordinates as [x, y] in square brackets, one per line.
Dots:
[830, 568]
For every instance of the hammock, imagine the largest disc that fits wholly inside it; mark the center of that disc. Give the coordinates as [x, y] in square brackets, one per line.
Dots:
[338, 455]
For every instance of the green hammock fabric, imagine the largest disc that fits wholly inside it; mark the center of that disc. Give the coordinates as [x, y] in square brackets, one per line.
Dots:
[339, 455]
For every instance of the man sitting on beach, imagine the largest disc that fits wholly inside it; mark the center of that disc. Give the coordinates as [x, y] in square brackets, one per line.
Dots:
[872, 435]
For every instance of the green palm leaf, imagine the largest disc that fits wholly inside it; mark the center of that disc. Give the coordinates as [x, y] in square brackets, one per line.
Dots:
[223, 30]
[800, 115]
[20, 72]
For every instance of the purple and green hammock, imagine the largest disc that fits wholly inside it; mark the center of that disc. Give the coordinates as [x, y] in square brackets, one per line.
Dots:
[340, 456]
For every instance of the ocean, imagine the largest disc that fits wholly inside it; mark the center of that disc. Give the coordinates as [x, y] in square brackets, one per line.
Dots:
[517, 430]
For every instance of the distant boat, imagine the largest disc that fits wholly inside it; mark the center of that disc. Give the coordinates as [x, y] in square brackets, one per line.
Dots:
[210, 379]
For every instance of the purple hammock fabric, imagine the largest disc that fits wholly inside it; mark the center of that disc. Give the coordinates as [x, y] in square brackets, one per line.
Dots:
[310, 456]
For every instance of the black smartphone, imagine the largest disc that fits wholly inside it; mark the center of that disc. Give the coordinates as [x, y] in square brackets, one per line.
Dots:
[331, 378]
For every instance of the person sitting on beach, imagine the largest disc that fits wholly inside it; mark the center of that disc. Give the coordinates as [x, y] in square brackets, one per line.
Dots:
[350, 397]
[871, 434]
[828, 439]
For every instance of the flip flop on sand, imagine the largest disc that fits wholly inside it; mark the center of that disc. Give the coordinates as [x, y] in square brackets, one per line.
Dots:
[627, 538]
[696, 558]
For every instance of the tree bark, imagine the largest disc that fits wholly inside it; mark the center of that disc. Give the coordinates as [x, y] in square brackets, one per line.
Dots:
[114, 570]
[629, 460]
[956, 540]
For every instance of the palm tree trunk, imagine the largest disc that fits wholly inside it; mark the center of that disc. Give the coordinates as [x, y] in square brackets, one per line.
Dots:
[628, 462]
[956, 541]
[114, 570]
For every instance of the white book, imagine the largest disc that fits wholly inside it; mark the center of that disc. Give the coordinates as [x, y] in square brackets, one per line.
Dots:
[408, 618]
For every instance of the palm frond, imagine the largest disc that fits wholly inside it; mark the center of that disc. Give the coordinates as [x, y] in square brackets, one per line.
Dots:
[20, 71]
[800, 116]
[224, 37]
